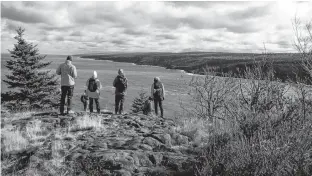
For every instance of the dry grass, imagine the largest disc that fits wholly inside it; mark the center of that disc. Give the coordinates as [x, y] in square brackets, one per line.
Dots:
[16, 116]
[34, 131]
[13, 139]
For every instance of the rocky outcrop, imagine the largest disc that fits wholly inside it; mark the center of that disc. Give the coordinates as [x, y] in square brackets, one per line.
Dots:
[124, 145]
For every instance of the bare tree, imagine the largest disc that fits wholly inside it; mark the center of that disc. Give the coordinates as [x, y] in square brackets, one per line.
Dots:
[208, 95]
[303, 44]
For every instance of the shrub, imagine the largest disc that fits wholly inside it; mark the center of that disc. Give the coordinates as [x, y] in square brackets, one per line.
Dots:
[138, 102]
[269, 130]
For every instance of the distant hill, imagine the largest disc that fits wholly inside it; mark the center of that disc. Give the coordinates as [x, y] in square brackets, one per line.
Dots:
[286, 65]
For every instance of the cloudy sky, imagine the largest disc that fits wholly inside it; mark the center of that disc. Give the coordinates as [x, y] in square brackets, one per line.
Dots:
[85, 27]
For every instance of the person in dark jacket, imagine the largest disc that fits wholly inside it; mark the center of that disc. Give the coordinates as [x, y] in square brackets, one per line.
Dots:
[68, 74]
[85, 100]
[158, 95]
[121, 84]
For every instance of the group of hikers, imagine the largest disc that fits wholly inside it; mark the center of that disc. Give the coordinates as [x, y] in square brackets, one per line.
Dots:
[68, 74]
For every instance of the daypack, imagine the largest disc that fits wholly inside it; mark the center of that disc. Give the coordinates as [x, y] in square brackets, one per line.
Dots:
[158, 89]
[92, 86]
[121, 84]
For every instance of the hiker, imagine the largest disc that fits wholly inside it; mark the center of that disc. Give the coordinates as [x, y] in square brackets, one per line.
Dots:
[147, 109]
[68, 74]
[93, 91]
[85, 100]
[158, 95]
[120, 83]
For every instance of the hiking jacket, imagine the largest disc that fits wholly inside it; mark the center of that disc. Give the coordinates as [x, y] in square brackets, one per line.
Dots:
[114, 84]
[95, 94]
[68, 73]
[154, 90]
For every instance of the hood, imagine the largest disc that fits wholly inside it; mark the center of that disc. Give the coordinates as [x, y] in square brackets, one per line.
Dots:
[121, 72]
[156, 79]
[68, 62]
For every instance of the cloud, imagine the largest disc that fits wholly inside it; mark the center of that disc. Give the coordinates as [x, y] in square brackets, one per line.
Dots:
[92, 45]
[119, 41]
[251, 12]
[167, 36]
[134, 32]
[11, 25]
[152, 26]
[208, 39]
[19, 15]
[76, 33]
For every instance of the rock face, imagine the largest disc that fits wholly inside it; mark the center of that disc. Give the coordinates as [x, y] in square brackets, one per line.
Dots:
[123, 145]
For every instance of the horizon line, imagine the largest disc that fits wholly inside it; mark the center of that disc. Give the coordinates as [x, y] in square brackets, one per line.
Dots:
[146, 52]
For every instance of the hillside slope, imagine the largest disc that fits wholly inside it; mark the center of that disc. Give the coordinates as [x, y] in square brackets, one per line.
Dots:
[285, 65]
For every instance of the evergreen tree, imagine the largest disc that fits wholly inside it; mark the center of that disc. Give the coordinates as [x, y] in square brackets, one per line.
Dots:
[138, 102]
[30, 86]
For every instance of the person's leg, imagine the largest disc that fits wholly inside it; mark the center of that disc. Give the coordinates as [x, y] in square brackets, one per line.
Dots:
[116, 103]
[97, 103]
[156, 106]
[122, 99]
[91, 104]
[70, 94]
[85, 106]
[87, 103]
[161, 109]
[63, 96]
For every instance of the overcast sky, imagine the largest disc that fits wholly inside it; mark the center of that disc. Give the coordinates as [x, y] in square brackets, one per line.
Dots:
[85, 27]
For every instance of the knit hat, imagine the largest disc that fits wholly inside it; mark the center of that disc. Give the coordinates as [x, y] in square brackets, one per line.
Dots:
[94, 74]
[120, 72]
[70, 58]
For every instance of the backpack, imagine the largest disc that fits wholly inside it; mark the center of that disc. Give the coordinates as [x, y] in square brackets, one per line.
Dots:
[158, 88]
[121, 84]
[92, 87]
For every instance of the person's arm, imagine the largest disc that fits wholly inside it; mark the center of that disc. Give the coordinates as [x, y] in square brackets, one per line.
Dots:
[163, 89]
[74, 72]
[87, 83]
[58, 70]
[99, 84]
[126, 84]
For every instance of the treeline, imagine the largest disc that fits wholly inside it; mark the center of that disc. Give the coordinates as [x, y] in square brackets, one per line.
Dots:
[285, 66]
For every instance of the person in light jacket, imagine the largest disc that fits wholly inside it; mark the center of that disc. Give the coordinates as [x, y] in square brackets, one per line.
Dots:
[158, 95]
[68, 74]
[93, 91]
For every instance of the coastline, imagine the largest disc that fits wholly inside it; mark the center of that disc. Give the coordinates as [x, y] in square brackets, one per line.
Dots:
[132, 63]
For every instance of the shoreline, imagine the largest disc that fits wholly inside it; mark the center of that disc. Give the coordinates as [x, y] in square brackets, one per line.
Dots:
[132, 63]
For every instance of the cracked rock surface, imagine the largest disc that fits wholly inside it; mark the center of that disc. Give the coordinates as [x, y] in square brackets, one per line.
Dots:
[122, 145]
